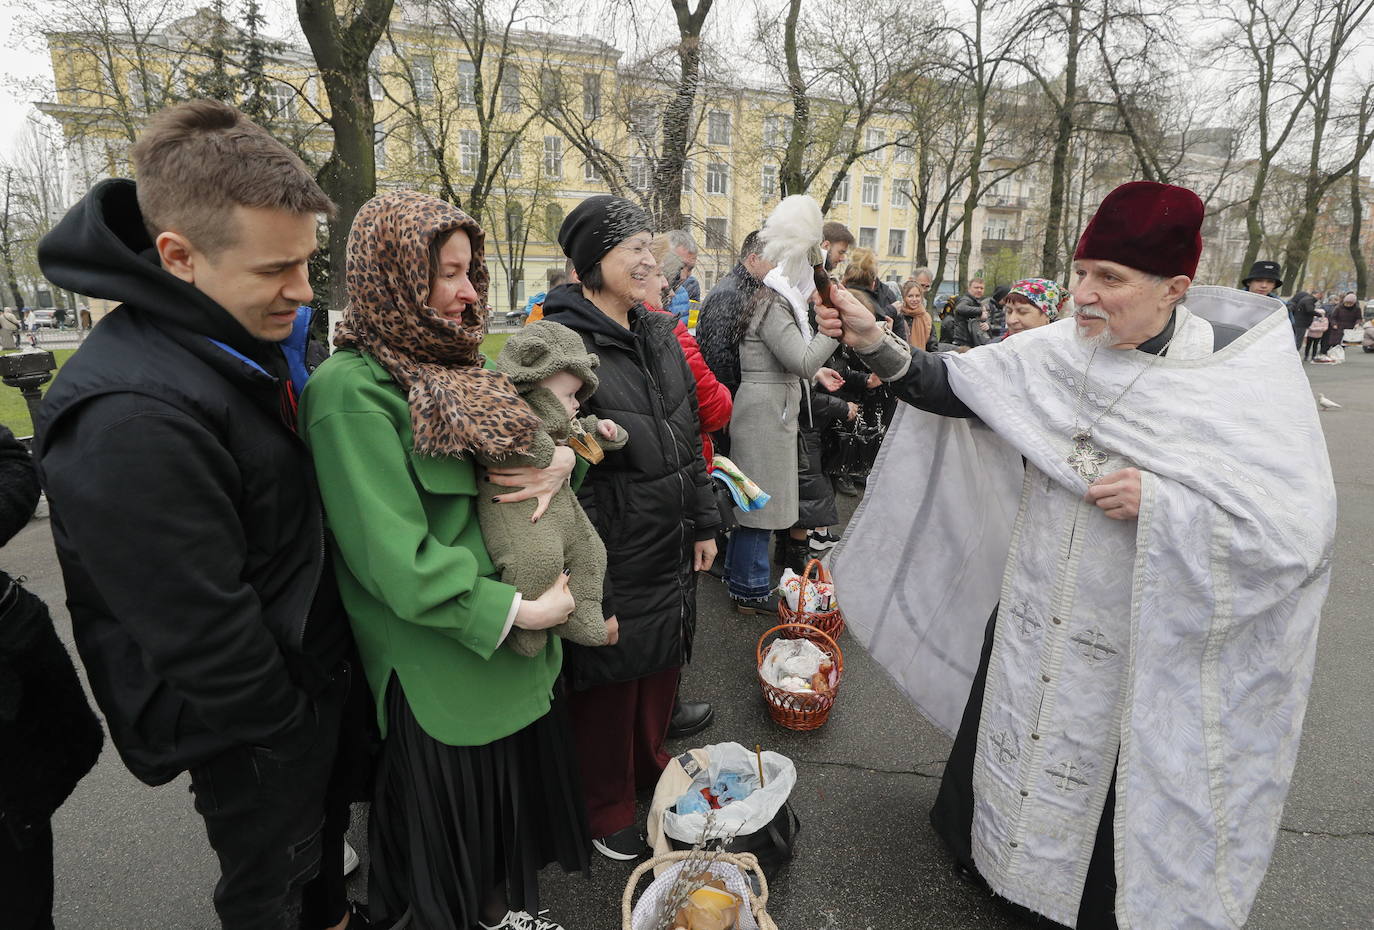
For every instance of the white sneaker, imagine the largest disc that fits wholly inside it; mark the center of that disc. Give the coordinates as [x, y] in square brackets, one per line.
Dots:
[350, 859]
[523, 920]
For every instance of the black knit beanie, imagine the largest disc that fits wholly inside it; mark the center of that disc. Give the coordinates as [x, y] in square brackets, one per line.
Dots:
[597, 225]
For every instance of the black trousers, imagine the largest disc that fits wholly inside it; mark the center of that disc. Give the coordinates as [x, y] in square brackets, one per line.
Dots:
[26, 885]
[277, 822]
[1313, 347]
[952, 815]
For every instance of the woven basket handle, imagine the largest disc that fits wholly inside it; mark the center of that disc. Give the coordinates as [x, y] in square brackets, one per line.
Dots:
[822, 574]
[746, 862]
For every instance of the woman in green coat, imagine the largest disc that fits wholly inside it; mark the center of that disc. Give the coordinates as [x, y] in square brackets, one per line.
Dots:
[477, 785]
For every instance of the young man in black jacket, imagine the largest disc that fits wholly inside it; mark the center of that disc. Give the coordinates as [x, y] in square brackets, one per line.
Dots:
[185, 512]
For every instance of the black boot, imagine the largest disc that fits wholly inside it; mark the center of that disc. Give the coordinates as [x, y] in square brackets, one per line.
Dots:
[796, 553]
[689, 718]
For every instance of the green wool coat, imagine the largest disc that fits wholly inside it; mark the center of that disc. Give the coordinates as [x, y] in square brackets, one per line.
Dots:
[414, 574]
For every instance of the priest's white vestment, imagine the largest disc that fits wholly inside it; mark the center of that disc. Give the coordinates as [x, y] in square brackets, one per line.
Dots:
[1175, 650]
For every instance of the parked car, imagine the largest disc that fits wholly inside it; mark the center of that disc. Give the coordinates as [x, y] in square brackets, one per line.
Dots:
[41, 318]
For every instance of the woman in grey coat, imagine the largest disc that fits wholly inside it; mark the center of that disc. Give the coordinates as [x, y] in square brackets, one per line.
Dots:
[778, 356]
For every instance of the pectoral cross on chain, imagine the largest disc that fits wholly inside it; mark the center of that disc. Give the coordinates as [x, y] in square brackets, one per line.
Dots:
[1085, 459]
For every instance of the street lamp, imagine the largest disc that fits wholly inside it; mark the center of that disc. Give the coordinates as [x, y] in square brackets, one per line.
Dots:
[28, 371]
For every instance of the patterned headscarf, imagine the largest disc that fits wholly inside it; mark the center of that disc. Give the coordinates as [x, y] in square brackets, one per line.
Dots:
[1047, 296]
[457, 407]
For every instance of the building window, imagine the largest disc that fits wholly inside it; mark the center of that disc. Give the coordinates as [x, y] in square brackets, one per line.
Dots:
[905, 155]
[281, 100]
[868, 237]
[688, 177]
[901, 193]
[998, 228]
[768, 182]
[589, 170]
[553, 221]
[639, 173]
[467, 151]
[773, 131]
[842, 192]
[138, 99]
[467, 83]
[643, 120]
[379, 145]
[550, 88]
[515, 221]
[422, 71]
[874, 140]
[553, 156]
[873, 190]
[591, 96]
[717, 178]
[718, 128]
[424, 155]
[510, 89]
[896, 241]
[717, 233]
[374, 75]
[510, 144]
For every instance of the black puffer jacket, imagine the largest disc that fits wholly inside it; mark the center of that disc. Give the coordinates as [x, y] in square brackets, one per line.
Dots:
[650, 501]
[184, 510]
[49, 738]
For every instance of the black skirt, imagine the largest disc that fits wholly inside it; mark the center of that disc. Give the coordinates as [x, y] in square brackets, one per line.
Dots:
[451, 823]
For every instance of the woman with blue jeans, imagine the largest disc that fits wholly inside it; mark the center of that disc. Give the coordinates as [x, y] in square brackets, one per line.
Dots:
[779, 354]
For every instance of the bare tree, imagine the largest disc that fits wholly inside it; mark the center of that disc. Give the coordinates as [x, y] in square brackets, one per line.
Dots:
[843, 65]
[1345, 17]
[342, 36]
[12, 232]
[1357, 256]
[437, 105]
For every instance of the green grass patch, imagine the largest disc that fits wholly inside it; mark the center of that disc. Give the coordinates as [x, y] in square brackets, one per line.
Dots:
[491, 346]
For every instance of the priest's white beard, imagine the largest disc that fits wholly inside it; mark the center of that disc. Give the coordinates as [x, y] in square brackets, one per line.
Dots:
[1103, 340]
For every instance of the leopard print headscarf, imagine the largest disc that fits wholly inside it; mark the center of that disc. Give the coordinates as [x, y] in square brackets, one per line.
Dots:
[457, 407]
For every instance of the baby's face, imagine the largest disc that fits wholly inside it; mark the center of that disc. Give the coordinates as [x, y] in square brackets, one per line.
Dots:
[564, 385]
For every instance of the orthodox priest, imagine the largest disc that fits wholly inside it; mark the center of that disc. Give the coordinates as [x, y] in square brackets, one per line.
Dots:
[1153, 477]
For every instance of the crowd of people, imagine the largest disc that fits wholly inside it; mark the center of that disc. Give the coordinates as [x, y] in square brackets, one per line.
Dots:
[291, 575]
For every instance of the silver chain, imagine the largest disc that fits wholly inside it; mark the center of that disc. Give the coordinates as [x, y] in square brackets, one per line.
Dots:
[1083, 385]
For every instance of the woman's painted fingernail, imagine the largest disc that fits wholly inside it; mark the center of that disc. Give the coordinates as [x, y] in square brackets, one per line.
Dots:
[496, 500]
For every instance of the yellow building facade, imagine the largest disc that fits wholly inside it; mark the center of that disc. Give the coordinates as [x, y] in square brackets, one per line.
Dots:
[547, 100]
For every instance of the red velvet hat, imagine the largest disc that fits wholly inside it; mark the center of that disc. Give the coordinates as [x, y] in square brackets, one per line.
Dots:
[1152, 227]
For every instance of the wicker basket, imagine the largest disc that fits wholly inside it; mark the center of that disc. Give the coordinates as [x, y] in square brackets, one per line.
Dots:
[802, 710]
[829, 622]
[733, 867]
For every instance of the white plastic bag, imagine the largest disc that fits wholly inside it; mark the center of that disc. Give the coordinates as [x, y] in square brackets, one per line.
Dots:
[789, 664]
[739, 817]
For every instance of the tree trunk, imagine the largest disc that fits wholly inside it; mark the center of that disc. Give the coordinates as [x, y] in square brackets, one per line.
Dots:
[677, 117]
[1049, 253]
[349, 176]
[791, 178]
[1356, 223]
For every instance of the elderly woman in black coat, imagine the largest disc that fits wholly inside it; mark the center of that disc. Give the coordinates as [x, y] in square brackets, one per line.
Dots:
[651, 503]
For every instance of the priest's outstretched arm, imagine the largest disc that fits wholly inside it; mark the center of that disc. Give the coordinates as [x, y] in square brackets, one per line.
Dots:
[914, 375]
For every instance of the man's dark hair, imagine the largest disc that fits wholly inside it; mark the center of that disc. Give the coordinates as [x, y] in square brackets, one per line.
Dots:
[753, 245]
[197, 160]
[554, 277]
[593, 280]
[836, 233]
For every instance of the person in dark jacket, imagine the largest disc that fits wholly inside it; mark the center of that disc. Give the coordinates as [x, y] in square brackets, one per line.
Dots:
[1345, 315]
[651, 503]
[1302, 310]
[185, 512]
[49, 739]
[966, 326]
[721, 319]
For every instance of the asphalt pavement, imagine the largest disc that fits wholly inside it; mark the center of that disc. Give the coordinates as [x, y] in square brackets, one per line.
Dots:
[131, 857]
